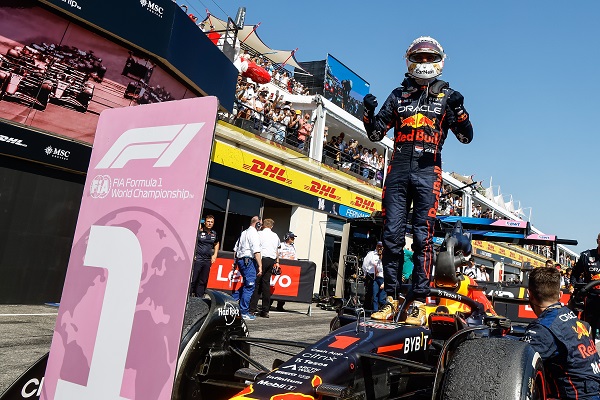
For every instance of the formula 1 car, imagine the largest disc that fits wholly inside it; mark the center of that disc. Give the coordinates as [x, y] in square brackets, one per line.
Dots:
[22, 79]
[70, 87]
[465, 351]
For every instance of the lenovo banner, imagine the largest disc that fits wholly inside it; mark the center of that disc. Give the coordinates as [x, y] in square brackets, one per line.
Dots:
[295, 283]
[120, 318]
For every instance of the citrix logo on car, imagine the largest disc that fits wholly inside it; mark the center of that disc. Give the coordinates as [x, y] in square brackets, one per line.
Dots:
[153, 7]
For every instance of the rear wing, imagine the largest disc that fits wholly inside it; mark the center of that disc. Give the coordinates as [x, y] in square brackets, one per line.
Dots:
[498, 230]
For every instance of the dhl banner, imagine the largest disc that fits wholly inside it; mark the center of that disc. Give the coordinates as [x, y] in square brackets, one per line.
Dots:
[503, 254]
[295, 283]
[260, 167]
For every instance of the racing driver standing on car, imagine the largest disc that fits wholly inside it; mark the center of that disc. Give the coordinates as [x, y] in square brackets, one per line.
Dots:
[421, 111]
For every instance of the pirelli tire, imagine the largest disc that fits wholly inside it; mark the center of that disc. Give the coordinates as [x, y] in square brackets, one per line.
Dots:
[494, 369]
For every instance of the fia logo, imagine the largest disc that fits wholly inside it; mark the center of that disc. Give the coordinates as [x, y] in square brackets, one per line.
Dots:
[100, 186]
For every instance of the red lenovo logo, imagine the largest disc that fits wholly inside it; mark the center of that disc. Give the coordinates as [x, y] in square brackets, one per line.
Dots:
[223, 277]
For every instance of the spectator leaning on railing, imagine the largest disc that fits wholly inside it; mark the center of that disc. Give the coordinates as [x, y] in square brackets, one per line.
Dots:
[304, 131]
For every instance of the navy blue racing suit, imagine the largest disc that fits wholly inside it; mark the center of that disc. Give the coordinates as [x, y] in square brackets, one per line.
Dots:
[589, 265]
[421, 117]
[571, 362]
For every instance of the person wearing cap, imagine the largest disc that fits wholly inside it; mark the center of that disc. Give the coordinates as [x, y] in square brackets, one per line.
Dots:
[287, 251]
[373, 270]
[421, 110]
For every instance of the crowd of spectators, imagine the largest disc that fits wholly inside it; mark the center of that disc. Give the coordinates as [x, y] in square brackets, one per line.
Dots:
[279, 75]
[351, 156]
[271, 116]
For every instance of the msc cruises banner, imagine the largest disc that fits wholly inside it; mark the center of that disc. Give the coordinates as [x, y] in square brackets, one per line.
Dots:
[120, 318]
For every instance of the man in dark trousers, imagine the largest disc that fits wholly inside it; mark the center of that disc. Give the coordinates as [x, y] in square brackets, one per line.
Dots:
[205, 253]
[571, 361]
[421, 111]
[269, 248]
[589, 265]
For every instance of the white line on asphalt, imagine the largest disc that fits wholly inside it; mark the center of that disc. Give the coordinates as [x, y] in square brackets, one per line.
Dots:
[25, 315]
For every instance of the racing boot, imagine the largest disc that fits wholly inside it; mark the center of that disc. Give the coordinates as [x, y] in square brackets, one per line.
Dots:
[417, 315]
[388, 311]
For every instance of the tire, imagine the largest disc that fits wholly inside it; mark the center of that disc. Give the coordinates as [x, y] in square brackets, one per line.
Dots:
[204, 354]
[494, 369]
[195, 313]
[335, 324]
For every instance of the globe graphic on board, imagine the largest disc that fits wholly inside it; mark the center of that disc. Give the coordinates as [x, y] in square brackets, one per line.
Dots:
[161, 274]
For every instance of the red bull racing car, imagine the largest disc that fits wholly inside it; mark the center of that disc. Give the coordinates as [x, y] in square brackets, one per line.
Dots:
[465, 351]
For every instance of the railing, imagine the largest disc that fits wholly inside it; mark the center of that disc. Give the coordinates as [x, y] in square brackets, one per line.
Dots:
[258, 123]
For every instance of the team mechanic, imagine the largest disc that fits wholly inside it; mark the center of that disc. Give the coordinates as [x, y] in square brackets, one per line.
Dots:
[421, 111]
[567, 348]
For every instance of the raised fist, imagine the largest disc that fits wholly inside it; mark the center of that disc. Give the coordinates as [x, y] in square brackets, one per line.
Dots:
[370, 102]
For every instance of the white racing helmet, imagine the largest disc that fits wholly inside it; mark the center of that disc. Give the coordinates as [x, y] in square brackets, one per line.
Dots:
[425, 58]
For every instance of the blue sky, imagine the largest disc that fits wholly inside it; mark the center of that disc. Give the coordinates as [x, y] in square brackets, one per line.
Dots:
[527, 70]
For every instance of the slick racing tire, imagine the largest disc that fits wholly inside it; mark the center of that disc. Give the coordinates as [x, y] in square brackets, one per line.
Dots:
[196, 311]
[206, 364]
[494, 369]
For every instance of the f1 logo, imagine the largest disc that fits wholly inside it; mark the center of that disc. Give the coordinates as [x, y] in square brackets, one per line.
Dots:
[163, 143]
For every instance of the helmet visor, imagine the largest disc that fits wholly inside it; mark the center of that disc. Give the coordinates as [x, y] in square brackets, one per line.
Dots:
[424, 52]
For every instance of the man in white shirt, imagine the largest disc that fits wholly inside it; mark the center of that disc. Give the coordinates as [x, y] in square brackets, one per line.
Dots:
[373, 270]
[269, 245]
[482, 274]
[470, 270]
[247, 257]
[287, 251]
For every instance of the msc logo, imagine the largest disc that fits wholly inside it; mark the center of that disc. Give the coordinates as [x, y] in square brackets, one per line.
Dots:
[100, 186]
[322, 190]
[57, 153]
[364, 204]
[152, 7]
[268, 170]
[162, 143]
